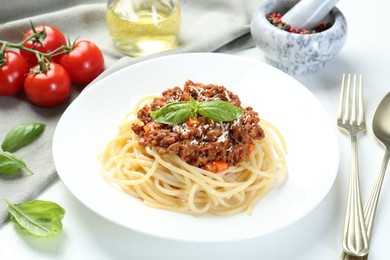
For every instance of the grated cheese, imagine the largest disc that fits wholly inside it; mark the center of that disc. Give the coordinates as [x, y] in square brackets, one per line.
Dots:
[194, 142]
[182, 129]
[227, 96]
[223, 137]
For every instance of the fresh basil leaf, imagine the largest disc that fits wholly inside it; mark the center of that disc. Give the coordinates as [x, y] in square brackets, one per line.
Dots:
[172, 113]
[10, 163]
[194, 107]
[220, 111]
[37, 218]
[193, 104]
[22, 135]
[178, 112]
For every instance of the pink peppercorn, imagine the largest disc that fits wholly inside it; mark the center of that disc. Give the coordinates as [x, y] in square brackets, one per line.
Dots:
[276, 20]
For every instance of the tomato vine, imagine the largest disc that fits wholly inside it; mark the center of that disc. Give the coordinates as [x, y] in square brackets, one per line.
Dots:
[45, 53]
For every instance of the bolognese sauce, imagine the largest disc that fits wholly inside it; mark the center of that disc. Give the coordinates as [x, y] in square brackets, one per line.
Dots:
[200, 141]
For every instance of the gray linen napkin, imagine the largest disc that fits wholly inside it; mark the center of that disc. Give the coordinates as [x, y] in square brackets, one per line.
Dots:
[207, 26]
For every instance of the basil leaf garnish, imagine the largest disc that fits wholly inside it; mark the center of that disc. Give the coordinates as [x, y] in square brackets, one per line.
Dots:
[10, 164]
[37, 218]
[179, 112]
[172, 113]
[22, 135]
[219, 110]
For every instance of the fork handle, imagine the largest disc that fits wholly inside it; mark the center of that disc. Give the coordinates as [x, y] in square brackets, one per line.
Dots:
[355, 241]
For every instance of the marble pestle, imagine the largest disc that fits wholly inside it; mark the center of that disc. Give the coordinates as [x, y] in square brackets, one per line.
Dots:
[306, 14]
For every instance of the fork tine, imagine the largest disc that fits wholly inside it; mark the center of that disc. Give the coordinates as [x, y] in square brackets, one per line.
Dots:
[361, 117]
[341, 100]
[354, 105]
[347, 101]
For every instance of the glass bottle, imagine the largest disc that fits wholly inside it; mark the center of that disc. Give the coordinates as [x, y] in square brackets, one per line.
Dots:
[143, 27]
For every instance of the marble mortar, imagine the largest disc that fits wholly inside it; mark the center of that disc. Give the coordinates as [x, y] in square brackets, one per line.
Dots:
[297, 54]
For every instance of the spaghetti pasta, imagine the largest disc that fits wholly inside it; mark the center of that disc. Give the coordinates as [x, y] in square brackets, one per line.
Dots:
[166, 181]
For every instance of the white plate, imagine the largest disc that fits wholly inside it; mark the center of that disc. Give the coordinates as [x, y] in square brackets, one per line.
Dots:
[92, 120]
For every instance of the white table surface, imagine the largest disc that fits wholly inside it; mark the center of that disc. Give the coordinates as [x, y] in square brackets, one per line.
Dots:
[316, 236]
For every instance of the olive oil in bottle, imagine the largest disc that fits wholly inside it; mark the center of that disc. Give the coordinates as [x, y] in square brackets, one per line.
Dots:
[143, 27]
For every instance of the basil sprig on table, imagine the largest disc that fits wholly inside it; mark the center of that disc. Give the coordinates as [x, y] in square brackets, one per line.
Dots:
[15, 139]
[22, 135]
[10, 164]
[179, 112]
[37, 218]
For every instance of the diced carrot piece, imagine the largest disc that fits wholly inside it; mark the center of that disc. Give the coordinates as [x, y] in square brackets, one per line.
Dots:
[192, 121]
[217, 166]
[221, 165]
[211, 167]
[207, 148]
[251, 147]
[149, 127]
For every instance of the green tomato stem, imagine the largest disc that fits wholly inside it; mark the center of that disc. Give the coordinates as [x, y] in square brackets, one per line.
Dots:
[2, 53]
[42, 57]
[20, 46]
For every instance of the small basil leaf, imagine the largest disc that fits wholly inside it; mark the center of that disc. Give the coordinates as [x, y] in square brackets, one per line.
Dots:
[193, 104]
[22, 135]
[194, 107]
[10, 164]
[172, 113]
[220, 111]
[37, 218]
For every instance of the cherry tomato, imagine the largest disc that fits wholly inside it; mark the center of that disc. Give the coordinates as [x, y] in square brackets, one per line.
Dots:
[83, 63]
[49, 88]
[53, 40]
[12, 74]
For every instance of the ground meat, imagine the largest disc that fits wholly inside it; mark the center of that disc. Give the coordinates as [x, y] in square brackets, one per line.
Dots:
[207, 141]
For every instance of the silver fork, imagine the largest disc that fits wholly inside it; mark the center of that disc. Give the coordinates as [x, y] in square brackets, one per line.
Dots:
[351, 119]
